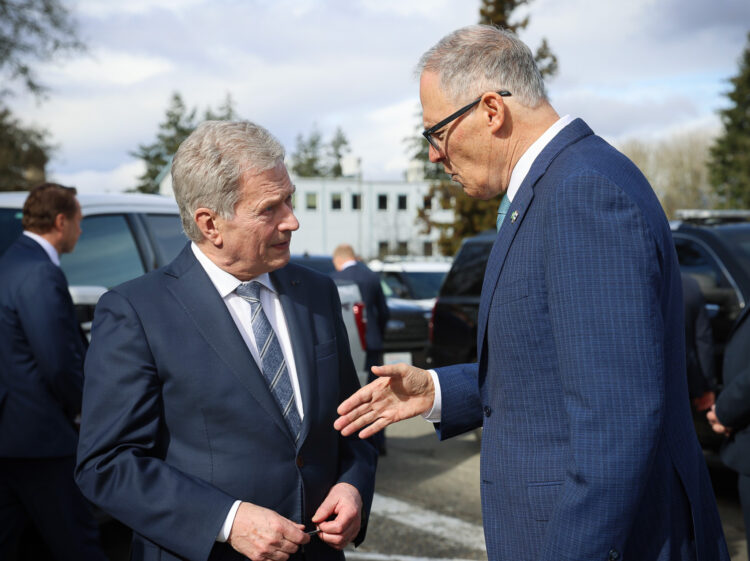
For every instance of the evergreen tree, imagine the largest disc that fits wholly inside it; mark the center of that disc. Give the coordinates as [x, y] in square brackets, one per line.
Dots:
[729, 165]
[24, 153]
[337, 149]
[178, 123]
[471, 216]
[31, 31]
[307, 158]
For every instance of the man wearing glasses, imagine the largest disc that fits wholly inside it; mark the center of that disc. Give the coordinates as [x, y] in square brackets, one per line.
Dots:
[588, 449]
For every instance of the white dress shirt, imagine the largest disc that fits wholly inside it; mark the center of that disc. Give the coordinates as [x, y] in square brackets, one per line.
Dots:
[519, 173]
[239, 309]
[46, 246]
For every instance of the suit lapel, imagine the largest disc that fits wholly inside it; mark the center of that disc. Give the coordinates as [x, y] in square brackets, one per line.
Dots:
[520, 205]
[290, 288]
[198, 296]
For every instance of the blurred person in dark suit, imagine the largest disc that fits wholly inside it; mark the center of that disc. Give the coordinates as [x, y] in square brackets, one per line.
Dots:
[348, 267]
[42, 350]
[730, 415]
[699, 346]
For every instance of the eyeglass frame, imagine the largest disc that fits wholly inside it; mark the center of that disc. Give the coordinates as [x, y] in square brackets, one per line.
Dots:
[427, 133]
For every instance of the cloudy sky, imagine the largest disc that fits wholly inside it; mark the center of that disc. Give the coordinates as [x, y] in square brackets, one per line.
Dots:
[640, 68]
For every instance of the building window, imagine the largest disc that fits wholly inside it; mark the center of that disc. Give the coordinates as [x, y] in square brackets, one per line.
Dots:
[402, 248]
[311, 201]
[382, 202]
[402, 202]
[356, 201]
[335, 201]
[427, 249]
[382, 249]
[427, 202]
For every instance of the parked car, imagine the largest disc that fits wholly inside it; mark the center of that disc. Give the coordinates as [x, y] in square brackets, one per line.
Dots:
[126, 235]
[712, 246]
[417, 280]
[406, 332]
[410, 287]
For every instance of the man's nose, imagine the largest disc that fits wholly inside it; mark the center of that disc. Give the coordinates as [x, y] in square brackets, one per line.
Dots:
[434, 154]
[289, 222]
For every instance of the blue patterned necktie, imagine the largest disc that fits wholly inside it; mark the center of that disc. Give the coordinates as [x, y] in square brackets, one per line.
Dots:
[502, 210]
[274, 367]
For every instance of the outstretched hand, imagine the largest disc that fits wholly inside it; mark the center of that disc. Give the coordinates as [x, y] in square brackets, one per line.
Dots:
[401, 392]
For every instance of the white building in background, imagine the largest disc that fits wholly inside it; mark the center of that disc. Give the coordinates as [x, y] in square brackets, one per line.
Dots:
[376, 218]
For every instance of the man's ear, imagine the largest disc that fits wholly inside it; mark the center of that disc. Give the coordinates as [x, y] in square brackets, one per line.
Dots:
[60, 221]
[206, 219]
[494, 109]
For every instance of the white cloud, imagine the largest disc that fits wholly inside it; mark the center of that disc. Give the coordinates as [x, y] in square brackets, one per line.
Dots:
[106, 67]
[114, 180]
[105, 8]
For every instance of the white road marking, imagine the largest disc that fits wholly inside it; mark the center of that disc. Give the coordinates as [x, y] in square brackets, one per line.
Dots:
[362, 556]
[446, 527]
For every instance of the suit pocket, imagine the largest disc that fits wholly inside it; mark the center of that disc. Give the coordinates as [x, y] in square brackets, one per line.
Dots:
[510, 292]
[325, 349]
[542, 499]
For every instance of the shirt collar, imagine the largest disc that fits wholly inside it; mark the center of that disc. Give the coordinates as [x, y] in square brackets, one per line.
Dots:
[224, 282]
[522, 167]
[46, 246]
[348, 264]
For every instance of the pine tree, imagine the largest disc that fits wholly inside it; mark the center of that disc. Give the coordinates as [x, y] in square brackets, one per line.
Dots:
[729, 165]
[337, 149]
[24, 152]
[307, 158]
[178, 123]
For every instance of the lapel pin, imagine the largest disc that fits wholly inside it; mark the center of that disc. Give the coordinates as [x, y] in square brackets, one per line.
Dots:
[513, 216]
[295, 282]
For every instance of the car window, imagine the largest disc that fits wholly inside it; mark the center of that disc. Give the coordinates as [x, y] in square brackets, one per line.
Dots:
[396, 286]
[166, 231]
[467, 273]
[424, 284]
[10, 227]
[737, 238]
[106, 254]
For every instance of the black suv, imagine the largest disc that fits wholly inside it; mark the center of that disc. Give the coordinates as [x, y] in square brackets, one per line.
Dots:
[712, 246]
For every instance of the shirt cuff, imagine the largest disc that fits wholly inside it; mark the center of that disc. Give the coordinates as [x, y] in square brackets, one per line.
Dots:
[434, 414]
[227, 527]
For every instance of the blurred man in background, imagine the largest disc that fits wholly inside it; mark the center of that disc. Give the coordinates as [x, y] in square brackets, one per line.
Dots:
[41, 379]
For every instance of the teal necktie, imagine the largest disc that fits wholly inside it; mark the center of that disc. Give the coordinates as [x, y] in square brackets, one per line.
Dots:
[502, 210]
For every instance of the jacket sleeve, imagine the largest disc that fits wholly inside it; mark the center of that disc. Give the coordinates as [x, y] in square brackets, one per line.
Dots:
[461, 404]
[604, 287]
[121, 465]
[733, 403]
[47, 315]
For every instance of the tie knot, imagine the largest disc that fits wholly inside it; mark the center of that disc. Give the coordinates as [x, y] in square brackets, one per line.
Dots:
[250, 291]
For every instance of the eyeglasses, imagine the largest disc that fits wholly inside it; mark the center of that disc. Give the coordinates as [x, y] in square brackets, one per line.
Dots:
[452, 117]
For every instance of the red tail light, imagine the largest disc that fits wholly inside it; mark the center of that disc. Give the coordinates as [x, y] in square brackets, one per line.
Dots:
[361, 321]
[431, 324]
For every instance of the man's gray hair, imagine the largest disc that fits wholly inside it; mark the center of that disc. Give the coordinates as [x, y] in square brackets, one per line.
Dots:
[482, 58]
[208, 166]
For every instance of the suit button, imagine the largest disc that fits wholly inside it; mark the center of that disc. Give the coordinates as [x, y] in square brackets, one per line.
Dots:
[487, 411]
[614, 555]
[300, 462]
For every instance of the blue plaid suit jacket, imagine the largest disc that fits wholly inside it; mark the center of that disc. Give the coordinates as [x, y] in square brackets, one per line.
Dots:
[588, 448]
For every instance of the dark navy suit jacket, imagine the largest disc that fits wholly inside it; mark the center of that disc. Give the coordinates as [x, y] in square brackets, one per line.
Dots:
[588, 450]
[178, 421]
[42, 350]
[733, 403]
[375, 304]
